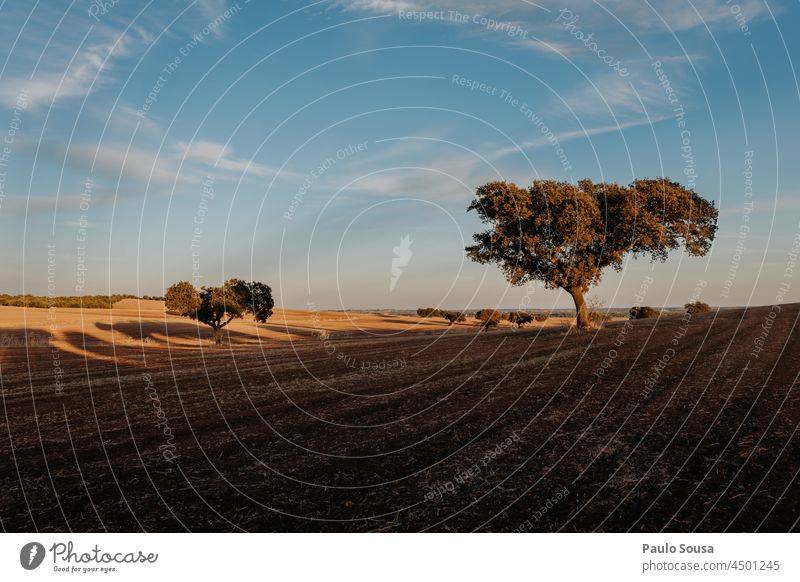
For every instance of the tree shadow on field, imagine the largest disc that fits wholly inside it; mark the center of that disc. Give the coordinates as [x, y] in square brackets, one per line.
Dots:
[421, 323]
[309, 332]
[84, 450]
[163, 332]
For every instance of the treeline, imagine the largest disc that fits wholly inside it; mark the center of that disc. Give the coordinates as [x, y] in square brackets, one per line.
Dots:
[492, 317]
[487, 317]
[84, 301]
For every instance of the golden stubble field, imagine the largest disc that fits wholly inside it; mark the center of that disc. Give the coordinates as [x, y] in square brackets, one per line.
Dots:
[130, 419]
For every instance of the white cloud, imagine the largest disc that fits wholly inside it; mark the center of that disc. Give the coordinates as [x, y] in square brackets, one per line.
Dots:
[682, 16]
[75, 77]
[115, 160]
[212, 10]
[431, 182]
[635, 15]
[609, 93]
[220, 156]
[143, 165]
[206, 152]
[378, 5]
[566, 136]
[553, 47]
[438, 178]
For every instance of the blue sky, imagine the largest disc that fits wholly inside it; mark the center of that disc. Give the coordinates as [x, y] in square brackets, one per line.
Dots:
[298, 143]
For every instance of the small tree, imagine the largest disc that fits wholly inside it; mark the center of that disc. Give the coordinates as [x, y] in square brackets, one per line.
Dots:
[566, 234]
[519, 318]
[218, 306]
[540, 317]
[643, 312]
[488, 317]
[697, 307]
[427, 312]
[453, 316]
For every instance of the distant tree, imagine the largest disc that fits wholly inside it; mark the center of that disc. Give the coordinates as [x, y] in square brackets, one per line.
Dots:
[519, 318]
[488, 317]
[697, 307]
[453, 316]
[427, 312]
[218, 306]
[643, 312]
[566, 234]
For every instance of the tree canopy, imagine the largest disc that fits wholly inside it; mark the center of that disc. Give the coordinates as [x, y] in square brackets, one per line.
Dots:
[428, 312]
[566, 234]
[218, 306]
[488, 317]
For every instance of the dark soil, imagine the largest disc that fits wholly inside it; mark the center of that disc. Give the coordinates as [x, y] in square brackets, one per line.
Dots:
[489, 431]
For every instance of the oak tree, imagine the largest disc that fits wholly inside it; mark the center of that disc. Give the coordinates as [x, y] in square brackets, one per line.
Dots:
[488, 317]
[218, 306]
[697, 307]
[452, 316]
[566, 234]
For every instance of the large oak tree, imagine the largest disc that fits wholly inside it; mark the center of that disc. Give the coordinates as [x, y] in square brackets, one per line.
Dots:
[565, 234]
[218, 306]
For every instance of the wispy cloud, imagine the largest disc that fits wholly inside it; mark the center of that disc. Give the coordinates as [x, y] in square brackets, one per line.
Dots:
[142, 165]
[212, 11]
[552, 47]
[220, 156]
[427, 171]
[657, 14]
[115, 161]
[378, 5]
[565, 136]
[684, 16]
[70, 78]
[428, 183]
[58, 59]
[608, 94]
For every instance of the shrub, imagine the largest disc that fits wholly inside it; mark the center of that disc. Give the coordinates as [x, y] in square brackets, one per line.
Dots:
[540, 317]
[643, 312]
[488, 317]
[519, 318]
[452, 316]
[597, 315]
[697, 307]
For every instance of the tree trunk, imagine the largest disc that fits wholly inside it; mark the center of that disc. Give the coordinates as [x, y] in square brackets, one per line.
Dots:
[217, 336]
[583, 321]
